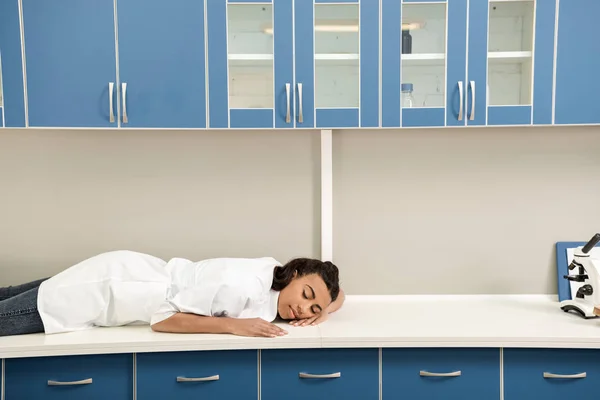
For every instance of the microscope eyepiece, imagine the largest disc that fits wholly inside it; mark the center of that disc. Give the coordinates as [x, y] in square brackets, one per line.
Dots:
[592, 242]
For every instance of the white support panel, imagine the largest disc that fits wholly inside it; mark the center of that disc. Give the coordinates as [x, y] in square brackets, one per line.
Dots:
[326, 195]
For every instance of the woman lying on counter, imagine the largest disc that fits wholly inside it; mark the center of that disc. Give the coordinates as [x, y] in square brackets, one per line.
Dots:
[239, 296]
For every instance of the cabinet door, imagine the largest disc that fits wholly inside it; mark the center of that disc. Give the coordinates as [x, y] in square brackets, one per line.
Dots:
[476, 85]
[198, 375]
[510, 79]
[346, 62]
[320, 374]
[578, 63]
[550, 374]
[162, 69]
[96, 377]
[250, 63]
[441, 374]
[12, 106]
[457, 63]
[424, 63]
[71, 67]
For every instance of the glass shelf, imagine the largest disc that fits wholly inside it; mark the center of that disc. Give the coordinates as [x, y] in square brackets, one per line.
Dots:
[510, 56]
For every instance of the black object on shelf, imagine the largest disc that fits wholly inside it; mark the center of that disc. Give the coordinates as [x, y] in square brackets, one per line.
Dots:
[406, 42]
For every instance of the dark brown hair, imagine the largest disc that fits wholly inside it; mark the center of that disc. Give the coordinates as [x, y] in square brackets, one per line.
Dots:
[282, 276]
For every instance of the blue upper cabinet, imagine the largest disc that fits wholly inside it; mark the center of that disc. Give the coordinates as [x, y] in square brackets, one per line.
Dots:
[578, 63]
[288, 64]
[71, 63]
[12, 105]
[459, 62]
[162, 71]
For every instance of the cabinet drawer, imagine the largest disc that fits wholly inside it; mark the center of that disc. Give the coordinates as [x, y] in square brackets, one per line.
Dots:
[436, 374]
[320, 374]
[198, 375]
[551, 374]
[77, 377]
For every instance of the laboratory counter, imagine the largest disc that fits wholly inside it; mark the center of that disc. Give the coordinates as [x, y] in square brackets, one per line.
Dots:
[479, 346]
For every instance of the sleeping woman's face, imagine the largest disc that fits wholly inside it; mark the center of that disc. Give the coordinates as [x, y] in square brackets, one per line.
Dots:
[304, 297]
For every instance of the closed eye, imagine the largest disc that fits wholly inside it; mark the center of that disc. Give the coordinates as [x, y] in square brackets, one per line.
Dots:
[309, 294]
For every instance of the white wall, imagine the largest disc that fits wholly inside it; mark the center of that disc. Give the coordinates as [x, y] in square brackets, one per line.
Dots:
[461, 210]
[415, 210]
[68, 195]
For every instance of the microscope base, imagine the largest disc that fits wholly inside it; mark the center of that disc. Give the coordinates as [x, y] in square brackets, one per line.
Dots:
[584, 309]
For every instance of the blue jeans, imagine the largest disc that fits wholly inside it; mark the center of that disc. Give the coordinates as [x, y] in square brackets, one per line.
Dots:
[18, 309]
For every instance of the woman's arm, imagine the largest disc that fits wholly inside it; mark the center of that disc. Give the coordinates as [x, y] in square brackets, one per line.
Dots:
[192, 323]
[337, 304]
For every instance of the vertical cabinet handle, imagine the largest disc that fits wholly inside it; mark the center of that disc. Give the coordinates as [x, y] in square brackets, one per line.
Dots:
[304, 375]
[203, 379]
[300, 113]
[472, 117]
[426, 373]
[124, 90]
[73, 383]
[559, 376]
[460, 94]
[111, 86]
[287, 94]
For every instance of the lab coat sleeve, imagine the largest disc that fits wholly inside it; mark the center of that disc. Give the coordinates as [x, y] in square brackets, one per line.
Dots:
[225, 300]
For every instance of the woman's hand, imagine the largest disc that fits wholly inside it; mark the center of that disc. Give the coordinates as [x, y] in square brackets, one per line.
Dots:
[256, 327]
[315, 320]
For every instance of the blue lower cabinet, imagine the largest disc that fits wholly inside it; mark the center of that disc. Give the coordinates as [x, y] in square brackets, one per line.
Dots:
[441, 374]
[551, 374]
[320, 374]
[96, 377]
[198, 375]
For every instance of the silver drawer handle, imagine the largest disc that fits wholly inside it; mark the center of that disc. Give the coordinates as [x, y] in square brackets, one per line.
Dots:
[111, 86]
[426, 373]
[124, 92]
[325, 376]
[472, 117]
[83, 382]
[203, 379]
[300, 112]
[460, 92]
[559, 376]
[287, 95]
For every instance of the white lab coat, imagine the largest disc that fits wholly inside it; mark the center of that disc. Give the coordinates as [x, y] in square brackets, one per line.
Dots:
[124, 287]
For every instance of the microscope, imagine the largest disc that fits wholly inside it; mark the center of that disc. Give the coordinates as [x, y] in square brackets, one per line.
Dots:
[588, 273]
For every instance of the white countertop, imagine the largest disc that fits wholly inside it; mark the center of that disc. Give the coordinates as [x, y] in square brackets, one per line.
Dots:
[363, 321]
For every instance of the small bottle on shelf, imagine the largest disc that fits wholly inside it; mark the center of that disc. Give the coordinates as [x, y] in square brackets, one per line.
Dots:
[408, 100]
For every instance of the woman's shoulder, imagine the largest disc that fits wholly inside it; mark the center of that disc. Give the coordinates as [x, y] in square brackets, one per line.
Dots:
[253, 273]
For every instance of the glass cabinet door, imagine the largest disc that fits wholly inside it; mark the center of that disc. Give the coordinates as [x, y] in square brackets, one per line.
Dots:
[423, 61]
[337, 68]
[250, 59]
[346, 62]
[509, 88]
[423, 64]
[250, 63]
